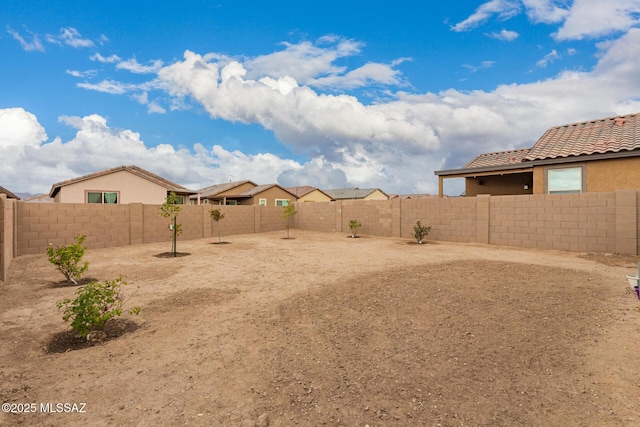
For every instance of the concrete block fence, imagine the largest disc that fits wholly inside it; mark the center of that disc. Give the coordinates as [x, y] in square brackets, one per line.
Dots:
[589, 222]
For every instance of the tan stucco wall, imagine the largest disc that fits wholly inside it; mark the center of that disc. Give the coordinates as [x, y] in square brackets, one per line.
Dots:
[131, 189]
[376, 195]
[614, 174]
[315, 196]
[601, 175]
[271, 195]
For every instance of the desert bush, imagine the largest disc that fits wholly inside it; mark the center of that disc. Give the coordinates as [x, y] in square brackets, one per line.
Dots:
[288, 212]
[67, 259]
[216, 215]
[354, 224]
[420, 231]
[95, 304]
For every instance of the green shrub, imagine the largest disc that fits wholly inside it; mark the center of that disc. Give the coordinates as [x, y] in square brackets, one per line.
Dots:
[171, 209]
[354, 224]
[288, 211]
[420, 231]
[67, 259]
[95, 304]
[217, 215]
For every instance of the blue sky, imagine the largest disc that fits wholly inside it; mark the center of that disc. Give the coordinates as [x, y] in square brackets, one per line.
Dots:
[332, 94]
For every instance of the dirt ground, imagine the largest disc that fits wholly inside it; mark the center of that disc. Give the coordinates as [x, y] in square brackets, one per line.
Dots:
[322, 329]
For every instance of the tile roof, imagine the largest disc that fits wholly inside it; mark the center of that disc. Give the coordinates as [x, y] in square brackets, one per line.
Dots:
[260, 188]
[610, 135]
[213, 190]
[499, 158]
[350, 193]
[142, 173]
[301, 191]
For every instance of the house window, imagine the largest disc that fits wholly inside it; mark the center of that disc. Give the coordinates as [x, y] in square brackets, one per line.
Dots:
[262, 202]
[109, 197]
[282, 202]
[231, 203]
[565, 180]
[179, 200]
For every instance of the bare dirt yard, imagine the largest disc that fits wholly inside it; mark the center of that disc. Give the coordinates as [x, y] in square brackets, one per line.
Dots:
[322, 329]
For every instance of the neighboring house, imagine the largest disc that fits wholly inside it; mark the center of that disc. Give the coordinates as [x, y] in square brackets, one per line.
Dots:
[124, 184]
[222, 194]
[244, 193]
[410, 196]
[266, 195]
[357, 194]
[9, 194]
[40, 198]
[307, 193]
[594, 156]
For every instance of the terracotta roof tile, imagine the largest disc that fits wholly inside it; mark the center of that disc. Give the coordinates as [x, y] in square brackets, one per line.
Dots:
[499, 158]
[610, 135]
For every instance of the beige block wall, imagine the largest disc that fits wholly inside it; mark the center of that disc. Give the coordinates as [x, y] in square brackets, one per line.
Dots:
[7, 230]
[571, 222]
[318, 216]
[604, 222]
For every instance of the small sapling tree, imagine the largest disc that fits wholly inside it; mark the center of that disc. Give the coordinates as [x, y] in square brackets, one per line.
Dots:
[216, 215]
[420, 231]
[95, 304]
[171, 209]
[288, 212]
[354, 224]
[67, 259]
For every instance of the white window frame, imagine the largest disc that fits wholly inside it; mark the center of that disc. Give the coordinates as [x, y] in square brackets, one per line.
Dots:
[553, 173]
[283, 202]
[262, 202]
[102, 197]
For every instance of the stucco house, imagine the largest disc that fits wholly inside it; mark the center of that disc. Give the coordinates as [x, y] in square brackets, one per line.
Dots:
[594, 156]
[8, 193]
[307, 193]
[123, 184]
[244, 193]
[357, 194]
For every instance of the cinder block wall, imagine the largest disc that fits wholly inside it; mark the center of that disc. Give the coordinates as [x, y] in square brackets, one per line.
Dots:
[7, 233]
[591, 222]
[572, 222]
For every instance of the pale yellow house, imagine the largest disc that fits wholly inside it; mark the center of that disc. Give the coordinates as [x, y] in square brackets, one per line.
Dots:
[124, 184]
[357, 194]
[307, 193]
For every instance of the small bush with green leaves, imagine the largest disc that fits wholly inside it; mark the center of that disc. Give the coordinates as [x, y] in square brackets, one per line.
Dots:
[420, 231]
[171, 209]
[67, 259]
[288, 211]
[217, 216]
[95, 304]
[354, 224]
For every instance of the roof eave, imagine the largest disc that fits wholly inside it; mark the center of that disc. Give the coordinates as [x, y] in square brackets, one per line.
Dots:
[529, 164]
